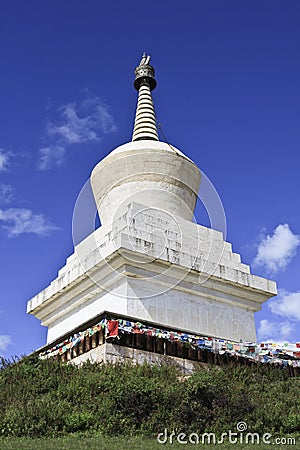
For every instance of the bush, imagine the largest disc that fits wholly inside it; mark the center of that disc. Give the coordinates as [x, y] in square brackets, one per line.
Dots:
[48, 398]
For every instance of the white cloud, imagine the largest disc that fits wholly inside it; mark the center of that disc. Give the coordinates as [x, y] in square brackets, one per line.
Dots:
[5, 341]
[273, 331]
[287, 304]
[6, 193]
[266, 329]
[50, 157]
[81, 123]
[4, 159]
[100, 112]
[77, 123]
[276, 251]
[16, 221]
[286, 328]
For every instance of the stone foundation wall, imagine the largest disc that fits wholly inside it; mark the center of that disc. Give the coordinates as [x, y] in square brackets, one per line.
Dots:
[110, 353]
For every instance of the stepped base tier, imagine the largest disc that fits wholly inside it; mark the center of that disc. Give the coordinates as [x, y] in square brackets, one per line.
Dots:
[157, 268]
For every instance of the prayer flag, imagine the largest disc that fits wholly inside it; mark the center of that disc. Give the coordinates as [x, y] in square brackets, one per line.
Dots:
[112, 328]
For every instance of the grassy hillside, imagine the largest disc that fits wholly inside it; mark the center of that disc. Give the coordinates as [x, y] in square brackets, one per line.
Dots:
[47, 398]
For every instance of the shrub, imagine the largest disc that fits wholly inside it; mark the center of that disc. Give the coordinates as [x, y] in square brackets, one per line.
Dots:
[48, 398]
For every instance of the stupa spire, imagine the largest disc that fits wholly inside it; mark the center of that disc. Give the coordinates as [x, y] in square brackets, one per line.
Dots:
[145, 120]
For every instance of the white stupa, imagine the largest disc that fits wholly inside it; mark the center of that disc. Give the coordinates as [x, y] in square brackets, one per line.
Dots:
[149, 261]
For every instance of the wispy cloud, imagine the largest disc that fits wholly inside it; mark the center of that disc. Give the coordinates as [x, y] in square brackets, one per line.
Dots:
[287, 304]
[5, 341]
[5, 156]
[287, 307]
[265, 329]
[77, 123]
[273, 331]
[17, 221]
[6, 193]
[50, 157]
[277, 250]
[82, 123]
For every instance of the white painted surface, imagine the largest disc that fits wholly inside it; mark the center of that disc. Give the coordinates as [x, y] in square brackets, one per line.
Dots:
[159, 268]
[148, 172]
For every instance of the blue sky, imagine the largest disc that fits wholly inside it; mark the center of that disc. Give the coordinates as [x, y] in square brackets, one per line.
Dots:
[228, 96]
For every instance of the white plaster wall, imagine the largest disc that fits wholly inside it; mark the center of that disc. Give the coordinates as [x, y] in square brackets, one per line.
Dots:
[114, 301]
[186, 311]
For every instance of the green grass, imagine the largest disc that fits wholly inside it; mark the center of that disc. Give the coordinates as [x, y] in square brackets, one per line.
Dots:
[83, 442]
[88, 405]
